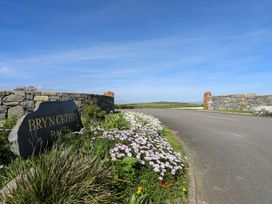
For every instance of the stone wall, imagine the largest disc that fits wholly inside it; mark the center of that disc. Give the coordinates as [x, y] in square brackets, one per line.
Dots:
[20, 102]
[238, 102]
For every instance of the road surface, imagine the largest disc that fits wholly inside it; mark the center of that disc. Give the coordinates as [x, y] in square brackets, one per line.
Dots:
[231, 154]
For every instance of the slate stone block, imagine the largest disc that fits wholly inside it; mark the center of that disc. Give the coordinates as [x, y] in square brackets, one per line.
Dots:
[36, 131]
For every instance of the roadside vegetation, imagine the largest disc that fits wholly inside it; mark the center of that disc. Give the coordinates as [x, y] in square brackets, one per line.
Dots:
[262, 111]
[265, 111]
[157, 105]
[125, 157]
[242, 112]
[6, 156]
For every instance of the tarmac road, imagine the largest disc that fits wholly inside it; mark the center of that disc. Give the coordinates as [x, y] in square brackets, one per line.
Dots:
[231, 154]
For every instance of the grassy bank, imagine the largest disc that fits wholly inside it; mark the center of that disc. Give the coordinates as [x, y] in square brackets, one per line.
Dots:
[173, 141]
[117, 159]
[156, 105]
[233, 112]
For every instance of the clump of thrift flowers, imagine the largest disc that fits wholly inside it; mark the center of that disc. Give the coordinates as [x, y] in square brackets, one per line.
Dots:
[141, 120]
[262, 110]
[145, 142]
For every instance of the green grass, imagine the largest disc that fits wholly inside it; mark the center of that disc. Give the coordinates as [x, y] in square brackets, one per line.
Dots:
[64, 175]
[173, 141]
[115, 121]
[234, 112]
[183, 181]
[156, 105]
[267, 115]
[6, 156]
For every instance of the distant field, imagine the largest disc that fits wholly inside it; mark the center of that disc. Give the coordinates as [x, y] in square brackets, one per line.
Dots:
[156, 105]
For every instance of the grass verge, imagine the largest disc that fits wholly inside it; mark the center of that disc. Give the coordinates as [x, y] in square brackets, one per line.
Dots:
[232, 112]
[177, 146]
[173, 141]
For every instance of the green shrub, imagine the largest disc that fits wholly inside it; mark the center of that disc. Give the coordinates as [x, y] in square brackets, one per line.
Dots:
[9, 123]
[115, 121]
[6, 156]
[6, 172]
[62, 176]
[125, 171]
[267, 114]
[92, 114]
[141, 185]
[72, 140]
[152, 192]
[124, 106]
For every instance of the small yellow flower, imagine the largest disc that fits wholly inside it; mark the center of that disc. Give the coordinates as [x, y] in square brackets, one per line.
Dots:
[139, 190]
[184, 190]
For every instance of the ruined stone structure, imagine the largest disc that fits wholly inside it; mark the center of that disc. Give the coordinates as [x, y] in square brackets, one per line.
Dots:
[238, 102]
[17, 103]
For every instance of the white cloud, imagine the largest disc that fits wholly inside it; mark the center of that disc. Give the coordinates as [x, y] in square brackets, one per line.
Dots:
[5, 70]
[174, 68]
[181, 50]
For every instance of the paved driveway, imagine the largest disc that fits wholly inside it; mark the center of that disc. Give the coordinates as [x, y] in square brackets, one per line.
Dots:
[231, 154]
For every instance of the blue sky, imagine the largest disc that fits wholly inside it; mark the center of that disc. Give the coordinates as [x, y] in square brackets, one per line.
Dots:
[143, 50]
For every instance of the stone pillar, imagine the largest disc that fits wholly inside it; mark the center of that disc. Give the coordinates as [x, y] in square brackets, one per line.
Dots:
[207, 96]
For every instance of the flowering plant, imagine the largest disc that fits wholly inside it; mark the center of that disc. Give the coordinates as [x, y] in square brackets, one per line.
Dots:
[141, 120]
[262, 110]
[145, 142]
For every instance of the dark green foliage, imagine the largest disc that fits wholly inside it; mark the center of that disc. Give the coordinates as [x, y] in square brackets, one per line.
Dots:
[79, 170]
[267, 114]
[6, 156]
[131, 176]
[91, 114]
[152, 191]
[125, 170]
[124, 106]
[9, 123]
[115, 121]
[62, 176]
[7, 171]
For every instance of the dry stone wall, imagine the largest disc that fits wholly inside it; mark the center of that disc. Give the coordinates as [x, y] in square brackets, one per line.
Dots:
[238, 102]
[17, 103]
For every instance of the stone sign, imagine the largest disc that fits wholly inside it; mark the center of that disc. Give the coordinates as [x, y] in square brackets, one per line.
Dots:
[36, 131]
